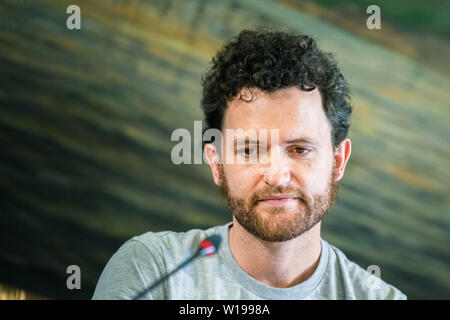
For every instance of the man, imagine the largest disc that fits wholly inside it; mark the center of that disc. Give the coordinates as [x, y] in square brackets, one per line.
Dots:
[281, 83]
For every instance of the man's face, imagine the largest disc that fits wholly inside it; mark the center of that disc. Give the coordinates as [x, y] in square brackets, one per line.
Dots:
[280, 199]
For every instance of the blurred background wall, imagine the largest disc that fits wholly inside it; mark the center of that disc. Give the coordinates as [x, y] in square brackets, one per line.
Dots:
[86, 118]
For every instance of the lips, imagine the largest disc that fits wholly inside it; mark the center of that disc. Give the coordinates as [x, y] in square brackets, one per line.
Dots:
[278, 197]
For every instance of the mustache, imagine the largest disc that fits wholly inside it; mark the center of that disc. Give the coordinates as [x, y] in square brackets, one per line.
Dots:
[288, 190]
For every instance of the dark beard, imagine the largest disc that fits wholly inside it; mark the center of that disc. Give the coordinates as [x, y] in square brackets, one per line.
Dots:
[312, 211]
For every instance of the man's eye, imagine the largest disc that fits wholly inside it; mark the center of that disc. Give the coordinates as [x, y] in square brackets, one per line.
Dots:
[300, 150]
[247, 151]
[250, 151]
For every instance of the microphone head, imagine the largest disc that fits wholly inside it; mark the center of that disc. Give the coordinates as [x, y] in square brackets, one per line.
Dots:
[210, 245]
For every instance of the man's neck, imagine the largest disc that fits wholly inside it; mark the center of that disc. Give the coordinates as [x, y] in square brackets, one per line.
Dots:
[276, 264]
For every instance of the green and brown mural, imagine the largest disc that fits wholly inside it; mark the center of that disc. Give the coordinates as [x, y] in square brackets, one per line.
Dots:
[86, 118]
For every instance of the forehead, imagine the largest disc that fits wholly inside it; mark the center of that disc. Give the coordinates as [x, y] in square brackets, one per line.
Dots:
[294, 112]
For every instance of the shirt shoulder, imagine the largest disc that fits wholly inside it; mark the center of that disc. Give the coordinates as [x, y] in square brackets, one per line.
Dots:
[124, 275]
[143, 259]
[354, 282]
[172, 246]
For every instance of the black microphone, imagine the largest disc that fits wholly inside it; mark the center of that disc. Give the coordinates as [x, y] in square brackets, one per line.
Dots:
[206, 247]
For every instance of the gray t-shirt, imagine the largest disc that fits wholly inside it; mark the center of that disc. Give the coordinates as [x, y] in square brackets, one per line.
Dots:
[143, 259]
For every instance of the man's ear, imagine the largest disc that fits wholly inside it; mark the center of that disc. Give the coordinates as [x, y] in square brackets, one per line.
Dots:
[213, 160]
[341, 157]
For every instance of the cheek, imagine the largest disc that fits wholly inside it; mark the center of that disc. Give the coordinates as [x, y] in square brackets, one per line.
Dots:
[241, 180]
[313, 177]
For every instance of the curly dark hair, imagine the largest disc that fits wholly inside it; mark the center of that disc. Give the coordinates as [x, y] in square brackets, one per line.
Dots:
[272, 60]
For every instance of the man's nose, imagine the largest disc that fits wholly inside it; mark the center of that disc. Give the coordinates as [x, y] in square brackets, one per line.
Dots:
[277, 171]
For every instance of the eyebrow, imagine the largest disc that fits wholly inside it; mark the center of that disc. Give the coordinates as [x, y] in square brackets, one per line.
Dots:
[303, 140]
[297, 140]
[246, 142]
